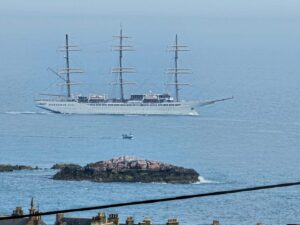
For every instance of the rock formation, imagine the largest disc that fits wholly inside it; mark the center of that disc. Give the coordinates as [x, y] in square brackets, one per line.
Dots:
[10, 168]
[128, 169]
[59, 166]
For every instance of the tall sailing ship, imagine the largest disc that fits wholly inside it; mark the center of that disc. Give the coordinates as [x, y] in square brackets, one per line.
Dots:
[136, 104]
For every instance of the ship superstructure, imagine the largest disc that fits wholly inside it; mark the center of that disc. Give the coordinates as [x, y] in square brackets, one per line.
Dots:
[136, 104]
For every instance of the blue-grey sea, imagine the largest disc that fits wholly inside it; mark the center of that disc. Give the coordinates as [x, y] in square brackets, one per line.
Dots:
[250, 52]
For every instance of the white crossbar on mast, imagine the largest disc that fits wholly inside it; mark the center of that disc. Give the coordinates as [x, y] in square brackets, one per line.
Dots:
[67, 71]
[177, 71]
[120, 69]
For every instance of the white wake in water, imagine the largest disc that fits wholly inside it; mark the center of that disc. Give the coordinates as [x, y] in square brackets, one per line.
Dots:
[26, 113]
[202, 180]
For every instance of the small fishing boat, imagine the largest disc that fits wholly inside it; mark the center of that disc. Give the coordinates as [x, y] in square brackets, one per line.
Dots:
[127, 136]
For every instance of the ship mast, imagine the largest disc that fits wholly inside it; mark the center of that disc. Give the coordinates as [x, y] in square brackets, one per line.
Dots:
[177, 71]
[120, 66]
[68, 71]
[68, 66]
[120, 70]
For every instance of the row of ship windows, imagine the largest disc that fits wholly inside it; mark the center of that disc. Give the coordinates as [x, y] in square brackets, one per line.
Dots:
[134, 105]
[94, 104]
[57, 104]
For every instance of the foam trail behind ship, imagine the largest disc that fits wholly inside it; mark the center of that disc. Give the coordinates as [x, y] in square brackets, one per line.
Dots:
[26, 113]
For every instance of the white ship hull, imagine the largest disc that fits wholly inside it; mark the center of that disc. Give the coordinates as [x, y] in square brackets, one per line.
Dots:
[136, 104]
[73, 107]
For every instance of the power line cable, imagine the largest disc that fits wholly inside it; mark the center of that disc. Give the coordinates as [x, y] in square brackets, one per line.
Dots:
[151, 201]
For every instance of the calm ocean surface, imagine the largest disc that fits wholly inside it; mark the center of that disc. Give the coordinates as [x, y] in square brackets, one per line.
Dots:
[253, 139]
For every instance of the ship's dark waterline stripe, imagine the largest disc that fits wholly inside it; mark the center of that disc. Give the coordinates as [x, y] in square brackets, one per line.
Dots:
[151, 201]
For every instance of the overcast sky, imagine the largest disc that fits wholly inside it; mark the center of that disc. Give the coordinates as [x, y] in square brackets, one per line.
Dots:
[209, 8]
[234, 43]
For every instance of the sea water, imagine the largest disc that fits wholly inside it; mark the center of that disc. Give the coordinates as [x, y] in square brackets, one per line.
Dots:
[251, 140]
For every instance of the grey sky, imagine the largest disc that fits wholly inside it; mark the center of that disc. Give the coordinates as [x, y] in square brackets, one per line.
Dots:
[207, 8]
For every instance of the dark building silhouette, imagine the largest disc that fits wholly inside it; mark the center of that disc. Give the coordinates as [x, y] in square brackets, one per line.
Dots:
[100, 219]
[32, 220]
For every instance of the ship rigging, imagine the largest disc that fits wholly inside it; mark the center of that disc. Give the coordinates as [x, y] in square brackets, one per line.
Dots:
[136, 104]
